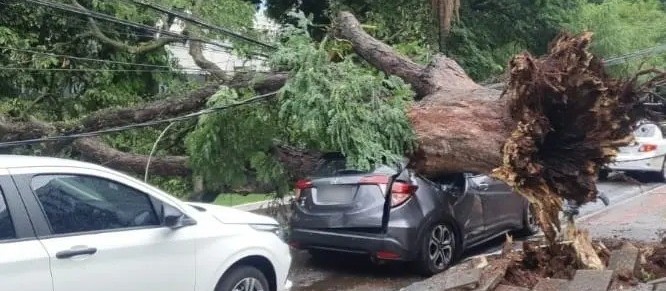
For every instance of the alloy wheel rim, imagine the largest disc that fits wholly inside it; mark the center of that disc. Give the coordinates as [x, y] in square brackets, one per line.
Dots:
[248, 284]
[440, 246]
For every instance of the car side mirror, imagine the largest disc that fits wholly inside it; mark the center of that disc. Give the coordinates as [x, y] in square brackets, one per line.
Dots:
[174, 218]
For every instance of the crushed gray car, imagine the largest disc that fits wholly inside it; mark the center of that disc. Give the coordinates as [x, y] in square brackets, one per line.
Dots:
[392, 213]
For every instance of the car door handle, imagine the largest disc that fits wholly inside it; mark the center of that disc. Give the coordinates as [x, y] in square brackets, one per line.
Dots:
[483, 186]
[76, 252]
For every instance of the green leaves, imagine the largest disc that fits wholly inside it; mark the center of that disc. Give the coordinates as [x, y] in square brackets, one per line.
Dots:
[327, 106]
[621, 27]
[342, 106]
[227, 146]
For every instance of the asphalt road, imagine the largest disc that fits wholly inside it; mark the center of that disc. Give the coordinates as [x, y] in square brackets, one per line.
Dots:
[357, 273]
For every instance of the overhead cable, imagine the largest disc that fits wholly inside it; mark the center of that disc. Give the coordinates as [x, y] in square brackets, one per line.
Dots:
[251, 100]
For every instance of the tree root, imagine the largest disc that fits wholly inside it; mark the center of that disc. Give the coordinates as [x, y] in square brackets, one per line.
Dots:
[571, 118]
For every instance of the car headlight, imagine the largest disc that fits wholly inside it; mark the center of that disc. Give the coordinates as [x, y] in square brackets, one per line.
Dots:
[273, 228]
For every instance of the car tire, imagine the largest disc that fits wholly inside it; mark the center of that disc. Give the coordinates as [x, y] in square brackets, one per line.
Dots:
[439, 249]
[530, 223]
[243, 278]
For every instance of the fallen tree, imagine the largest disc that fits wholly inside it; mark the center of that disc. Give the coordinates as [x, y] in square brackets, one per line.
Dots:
[558, 120]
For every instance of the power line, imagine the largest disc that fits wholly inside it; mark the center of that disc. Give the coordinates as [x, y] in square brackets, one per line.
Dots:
[174, 71]
[202, 23]
[636, 54]
[251, 100]
[222, 48]
[98, 70]
[105, 17]
[95, 60]
[217, 48]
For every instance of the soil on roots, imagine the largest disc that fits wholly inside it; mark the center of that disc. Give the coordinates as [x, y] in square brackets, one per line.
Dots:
[536, 261]
[557, 261]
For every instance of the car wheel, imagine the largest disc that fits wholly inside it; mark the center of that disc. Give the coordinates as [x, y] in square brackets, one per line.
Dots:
[243, 278]
[530, 223]
[438, 249]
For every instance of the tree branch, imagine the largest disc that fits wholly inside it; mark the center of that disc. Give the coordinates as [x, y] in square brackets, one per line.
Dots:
[196, 51]
[443, 74]
[299, 162]
[136, 49]
[113, 117]
[383, 56]
[96, 150]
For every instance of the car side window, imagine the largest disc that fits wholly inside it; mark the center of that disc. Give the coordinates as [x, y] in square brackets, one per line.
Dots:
[6, 226]
[77, 203]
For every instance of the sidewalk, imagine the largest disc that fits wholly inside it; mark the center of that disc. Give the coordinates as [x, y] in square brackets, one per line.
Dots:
[640, 218]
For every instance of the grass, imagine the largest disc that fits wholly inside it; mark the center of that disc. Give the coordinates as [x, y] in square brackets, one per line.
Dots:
[232, 199]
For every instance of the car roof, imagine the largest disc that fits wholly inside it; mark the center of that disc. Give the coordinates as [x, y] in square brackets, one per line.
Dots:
[18, 161]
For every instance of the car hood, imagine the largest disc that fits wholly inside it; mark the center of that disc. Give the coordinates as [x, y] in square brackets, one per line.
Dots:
[232, 215]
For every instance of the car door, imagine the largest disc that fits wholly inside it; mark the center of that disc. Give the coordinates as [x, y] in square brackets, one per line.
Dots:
[103, 232]
[24, 263]
[499, 203]
[466, 203]
[509, 207]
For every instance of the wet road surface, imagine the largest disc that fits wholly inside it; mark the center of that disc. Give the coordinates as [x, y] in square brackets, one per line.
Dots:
[641, 218]
[357, 273]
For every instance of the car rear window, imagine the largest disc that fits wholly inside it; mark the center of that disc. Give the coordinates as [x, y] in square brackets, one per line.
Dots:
[335, 164]
[646, 130]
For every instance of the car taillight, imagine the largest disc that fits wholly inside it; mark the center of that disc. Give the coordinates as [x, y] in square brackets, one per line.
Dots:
[401, 192]
[300, 186]
[647, 148]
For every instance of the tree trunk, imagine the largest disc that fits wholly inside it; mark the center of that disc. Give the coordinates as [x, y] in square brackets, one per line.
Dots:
[460, 125]
[446, 144]
[559, 119]
[96, 150]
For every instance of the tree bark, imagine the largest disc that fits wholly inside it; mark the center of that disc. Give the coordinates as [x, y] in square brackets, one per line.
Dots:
[446, 144]
[96, 150]
[558, 120]
[446, 96]
[160, 109]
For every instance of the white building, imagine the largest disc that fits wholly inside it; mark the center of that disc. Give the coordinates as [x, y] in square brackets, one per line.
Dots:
[225, 59]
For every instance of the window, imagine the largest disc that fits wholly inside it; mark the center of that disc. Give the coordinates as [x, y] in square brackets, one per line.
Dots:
[6, 225]
[646, 130]
[85, 203]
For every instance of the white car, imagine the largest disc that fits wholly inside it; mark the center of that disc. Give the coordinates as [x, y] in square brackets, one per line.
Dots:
[68, 225]
[646, 154]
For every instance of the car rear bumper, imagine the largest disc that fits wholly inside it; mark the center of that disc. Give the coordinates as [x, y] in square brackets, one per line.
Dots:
[388, 246]
[653, 164]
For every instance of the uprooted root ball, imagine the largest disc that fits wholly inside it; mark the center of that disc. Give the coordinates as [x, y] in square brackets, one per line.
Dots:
[571, 118]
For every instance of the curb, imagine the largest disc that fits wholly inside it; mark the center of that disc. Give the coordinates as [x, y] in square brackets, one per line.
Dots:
[252, 206]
